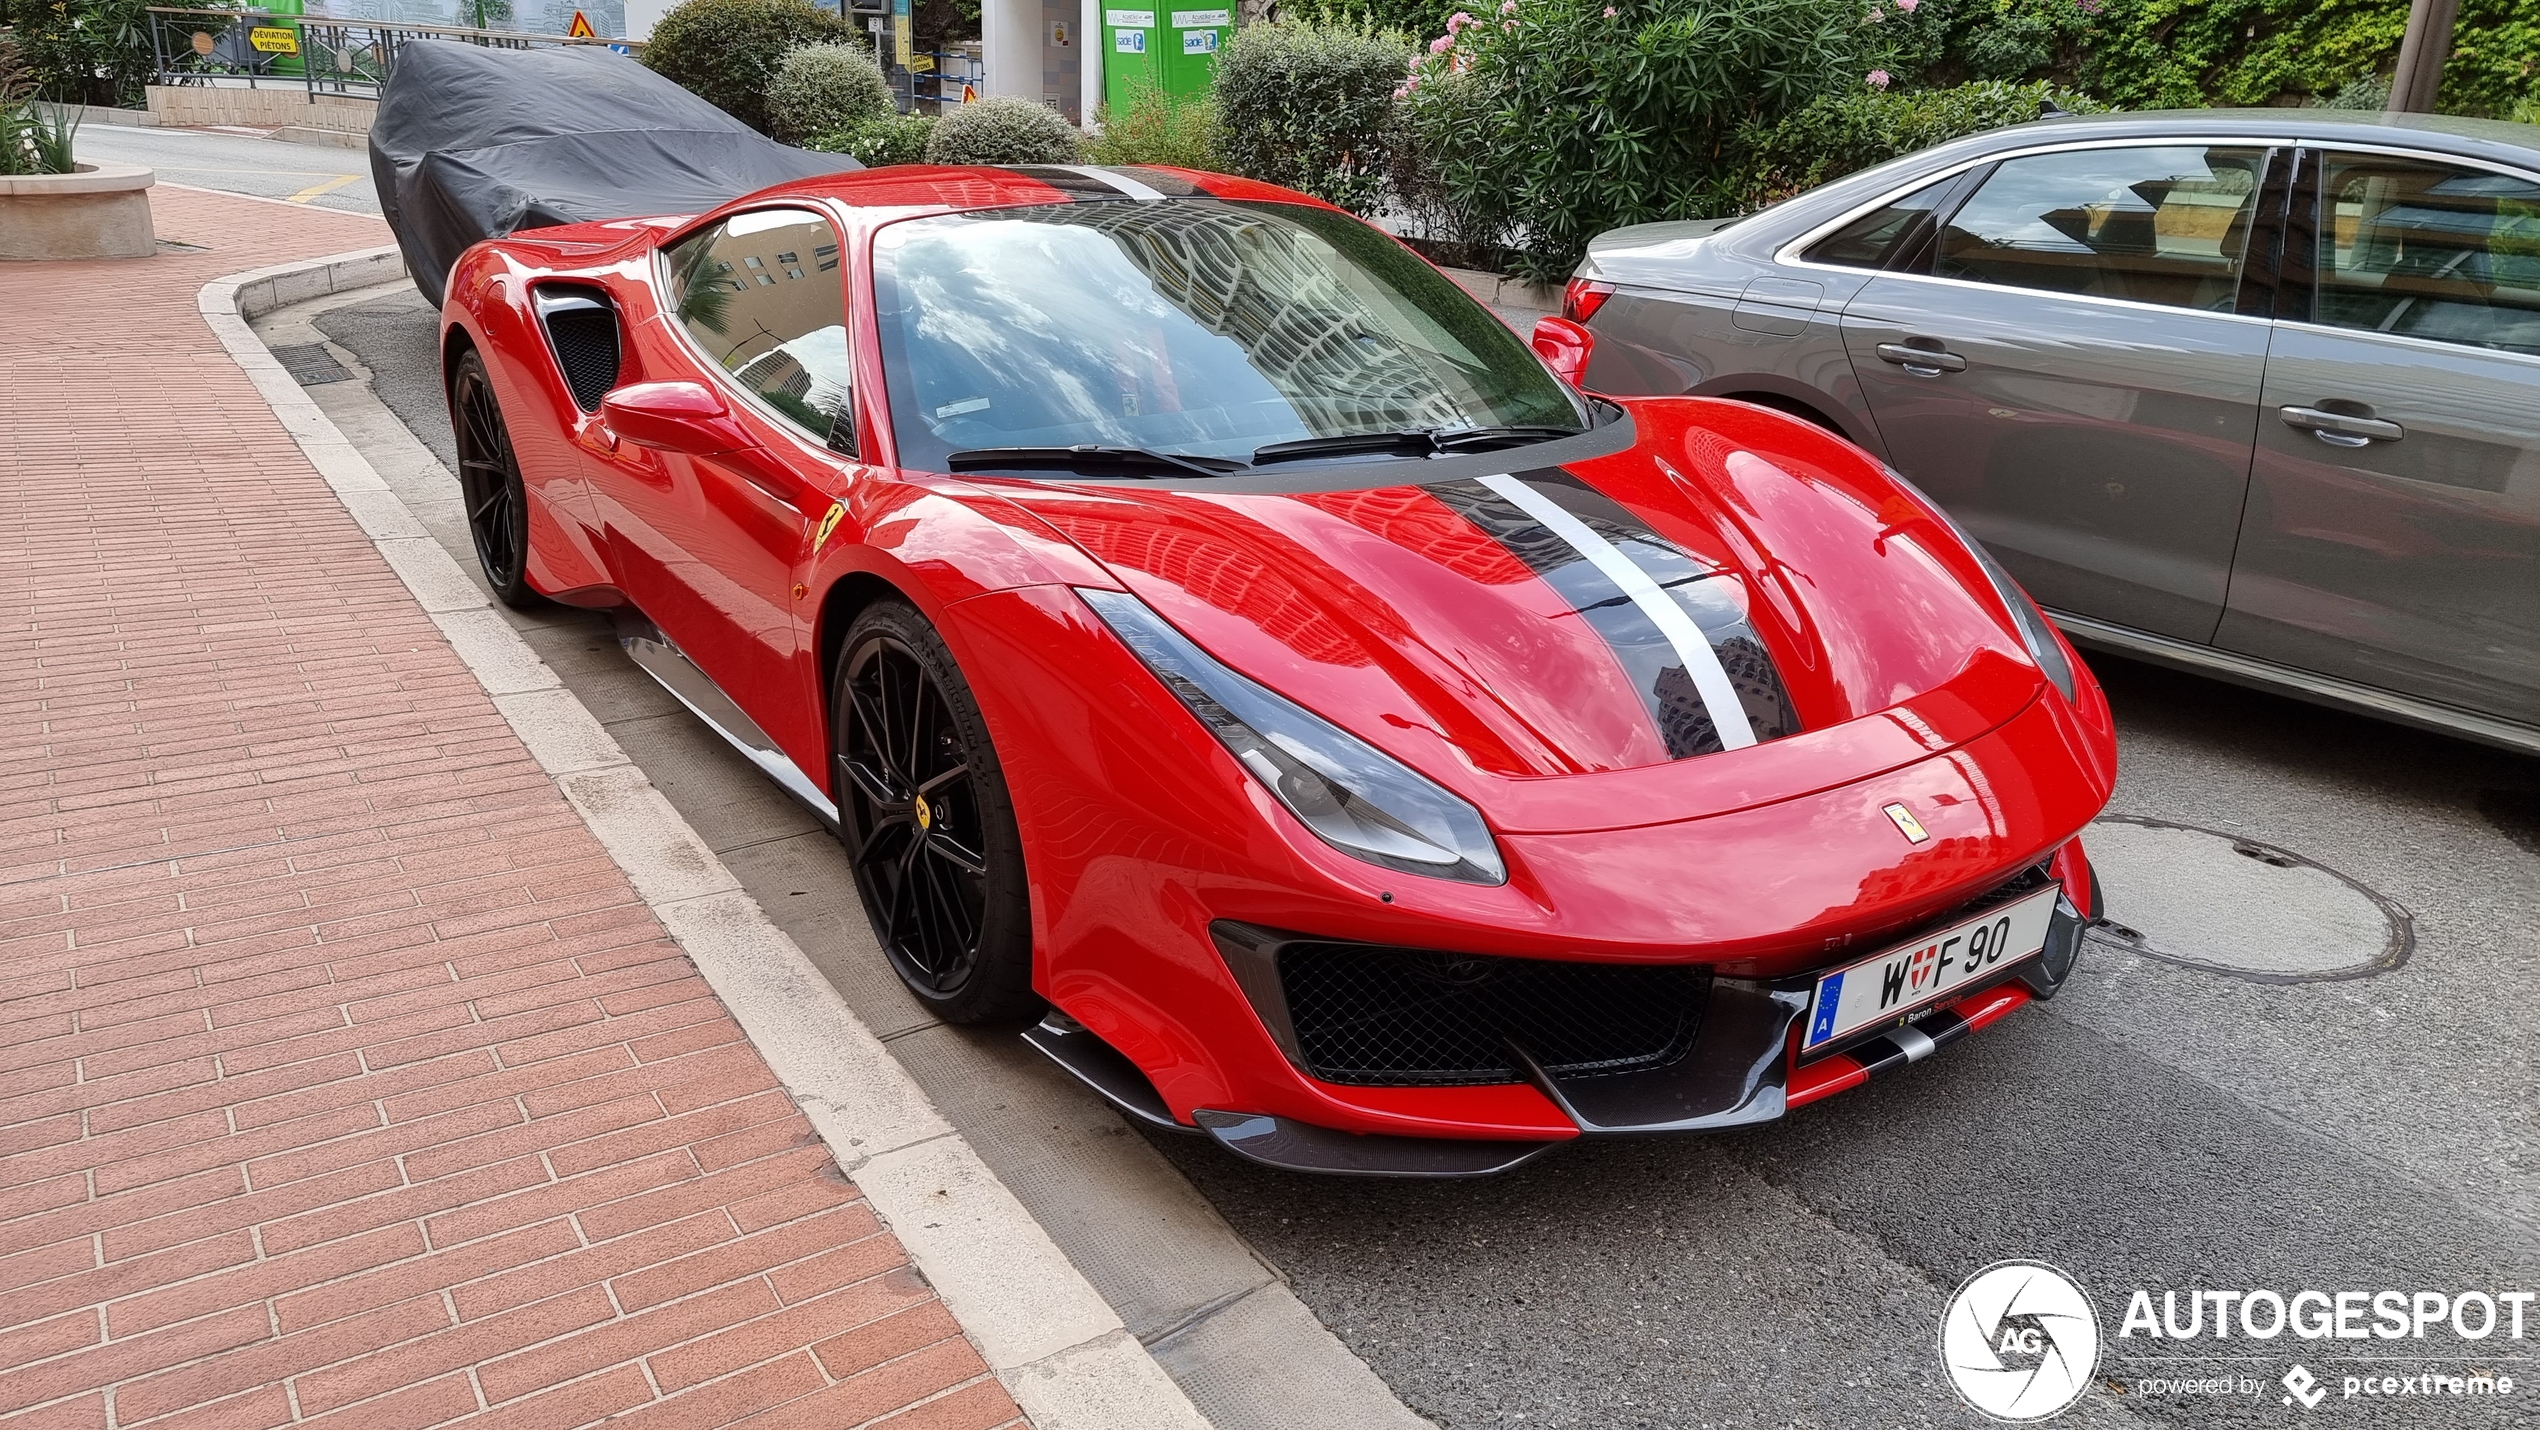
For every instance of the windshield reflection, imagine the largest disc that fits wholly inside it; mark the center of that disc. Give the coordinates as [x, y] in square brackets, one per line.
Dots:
[1189, 326]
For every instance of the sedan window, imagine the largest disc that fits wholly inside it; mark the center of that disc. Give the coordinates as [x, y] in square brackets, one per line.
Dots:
[2166, 225]
[763, 294]
[1886, 234]
[2430, 249]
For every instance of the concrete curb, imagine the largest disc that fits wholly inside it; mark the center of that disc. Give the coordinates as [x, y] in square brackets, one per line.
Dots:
[1059, 1348]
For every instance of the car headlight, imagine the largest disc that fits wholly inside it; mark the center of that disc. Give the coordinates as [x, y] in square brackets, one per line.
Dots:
[2035, 633]
[1358, 799]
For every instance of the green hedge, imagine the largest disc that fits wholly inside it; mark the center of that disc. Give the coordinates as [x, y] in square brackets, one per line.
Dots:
[1842, 133]
[2178, 54]
[1156, 130]
[727, 52]
[1307, 106]
[881, 141]
[1004, 130]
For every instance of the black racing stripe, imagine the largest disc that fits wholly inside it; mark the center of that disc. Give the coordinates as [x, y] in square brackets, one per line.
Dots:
[1878, 1057]
[1686, 579]
[1172, 186]
[1074, 185]
[1675, 706]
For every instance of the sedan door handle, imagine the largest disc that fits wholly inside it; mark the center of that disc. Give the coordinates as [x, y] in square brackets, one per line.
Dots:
[2341, 429]
[1922, 362]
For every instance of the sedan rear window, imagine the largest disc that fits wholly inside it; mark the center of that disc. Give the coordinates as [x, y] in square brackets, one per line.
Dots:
[2166, 224]
[1199, 327]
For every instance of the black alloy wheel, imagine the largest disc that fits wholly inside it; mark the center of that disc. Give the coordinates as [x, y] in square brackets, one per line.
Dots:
[489, 483]
[928, 827]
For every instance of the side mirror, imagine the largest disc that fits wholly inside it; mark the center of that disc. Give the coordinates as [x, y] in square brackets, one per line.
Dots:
[1566, 346]
[673, 417]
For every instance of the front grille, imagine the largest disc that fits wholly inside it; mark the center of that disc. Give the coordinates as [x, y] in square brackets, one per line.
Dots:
[1376, 1016]
[2019, 886]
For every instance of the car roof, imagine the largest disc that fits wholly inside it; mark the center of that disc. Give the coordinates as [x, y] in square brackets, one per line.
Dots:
[960, 188]
[2489, 138]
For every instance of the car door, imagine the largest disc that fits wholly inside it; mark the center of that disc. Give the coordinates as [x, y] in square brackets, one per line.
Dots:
[2064, 367]
[710, 547]
[2393, 530]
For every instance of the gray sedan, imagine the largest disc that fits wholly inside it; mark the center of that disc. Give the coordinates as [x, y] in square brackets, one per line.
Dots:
[2253, 392]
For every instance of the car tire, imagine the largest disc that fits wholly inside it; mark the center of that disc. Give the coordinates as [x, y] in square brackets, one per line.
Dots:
[928, 825]
[496, 503]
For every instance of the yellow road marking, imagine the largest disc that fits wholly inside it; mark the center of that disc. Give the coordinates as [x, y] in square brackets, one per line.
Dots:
[313, 190]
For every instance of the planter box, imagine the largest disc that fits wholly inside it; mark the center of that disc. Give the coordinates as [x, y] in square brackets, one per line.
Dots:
[102, 211]
[1503, 291]
[226, 106]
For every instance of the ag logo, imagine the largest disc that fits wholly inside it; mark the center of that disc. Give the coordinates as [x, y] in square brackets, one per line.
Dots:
[2019, 1341]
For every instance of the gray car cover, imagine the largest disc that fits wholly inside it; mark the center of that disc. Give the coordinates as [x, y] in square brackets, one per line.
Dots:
[472, 142]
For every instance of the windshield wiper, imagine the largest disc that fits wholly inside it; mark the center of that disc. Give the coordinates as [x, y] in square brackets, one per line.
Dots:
[1087, 454]
[1420, 441]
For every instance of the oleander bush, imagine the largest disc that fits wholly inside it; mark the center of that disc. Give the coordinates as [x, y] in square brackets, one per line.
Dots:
[881, 140]
[1004, 130]
[1309, 106]
[826, 87]
[1571, 117]
[86, 51]
[728, 52]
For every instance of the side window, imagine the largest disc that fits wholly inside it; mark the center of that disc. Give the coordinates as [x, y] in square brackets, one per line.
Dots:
[2167, 225]
[763, 293]
[2430, 249]
[1884, 235]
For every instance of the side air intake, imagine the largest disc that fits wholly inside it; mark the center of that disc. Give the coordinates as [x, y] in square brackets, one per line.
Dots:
[581, 327]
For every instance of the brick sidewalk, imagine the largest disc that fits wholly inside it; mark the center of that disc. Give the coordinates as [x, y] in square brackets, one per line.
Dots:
[343, 1077]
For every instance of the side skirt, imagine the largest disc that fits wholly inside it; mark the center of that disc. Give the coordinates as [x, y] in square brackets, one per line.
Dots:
[666, 663]
[2300, 684]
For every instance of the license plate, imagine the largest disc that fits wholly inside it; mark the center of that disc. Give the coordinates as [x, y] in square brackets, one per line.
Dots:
[1927, 969]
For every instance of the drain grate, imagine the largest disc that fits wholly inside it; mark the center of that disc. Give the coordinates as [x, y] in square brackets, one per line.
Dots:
[311, 364]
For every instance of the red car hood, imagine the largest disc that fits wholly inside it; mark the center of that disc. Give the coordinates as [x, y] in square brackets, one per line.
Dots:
[1479, 630]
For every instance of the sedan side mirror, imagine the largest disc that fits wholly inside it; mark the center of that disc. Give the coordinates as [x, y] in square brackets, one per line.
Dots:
[673, 417]
[1566, 346]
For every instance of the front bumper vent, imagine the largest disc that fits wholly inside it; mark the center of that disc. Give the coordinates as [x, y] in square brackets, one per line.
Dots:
[1374, 1016]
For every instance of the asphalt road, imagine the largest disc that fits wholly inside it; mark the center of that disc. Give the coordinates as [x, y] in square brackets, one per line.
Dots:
[2155, 1127]
[318, 174]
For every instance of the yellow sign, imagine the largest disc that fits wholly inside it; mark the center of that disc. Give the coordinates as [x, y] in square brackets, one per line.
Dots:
[828, 524]
[921, 63]
[273, 40]
[901, 37]
[580, 29]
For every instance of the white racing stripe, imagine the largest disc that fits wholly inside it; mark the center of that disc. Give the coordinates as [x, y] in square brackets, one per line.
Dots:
[1122, 182]
[1719, 697]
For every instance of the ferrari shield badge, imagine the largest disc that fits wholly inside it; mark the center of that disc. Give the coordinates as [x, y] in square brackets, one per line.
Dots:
[1907, 825]
[828, 523]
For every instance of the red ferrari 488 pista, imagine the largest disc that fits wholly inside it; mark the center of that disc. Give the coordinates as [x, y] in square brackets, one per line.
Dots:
[1215, 634]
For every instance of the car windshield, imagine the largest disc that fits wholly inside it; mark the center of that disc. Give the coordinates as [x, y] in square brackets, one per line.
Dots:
[1195, 327]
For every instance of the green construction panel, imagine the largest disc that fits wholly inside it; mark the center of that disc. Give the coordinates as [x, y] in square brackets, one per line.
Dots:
[280, 15]
[1132, 56]
[1189, 41]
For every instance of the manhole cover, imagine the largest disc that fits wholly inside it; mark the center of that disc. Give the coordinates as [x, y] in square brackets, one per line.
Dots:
[2232, 905]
